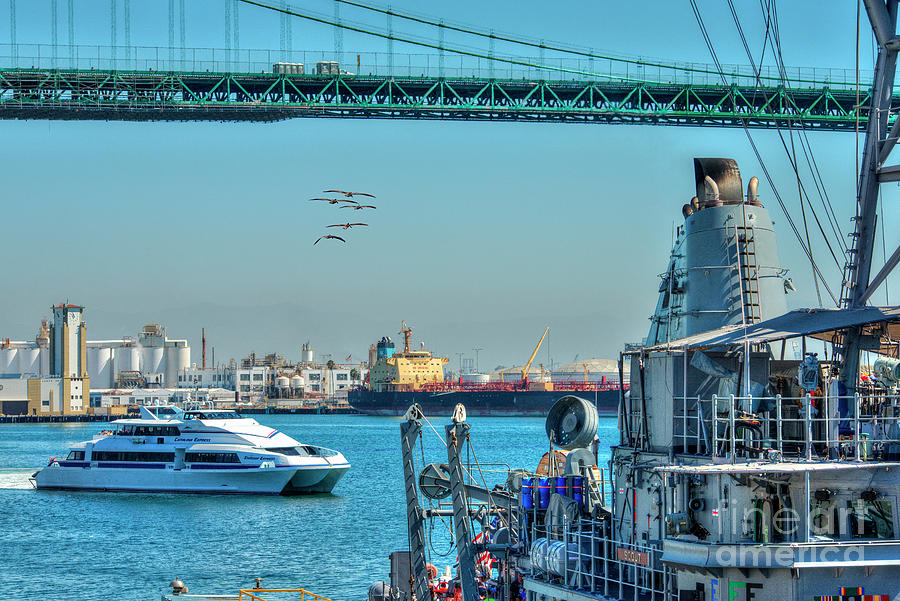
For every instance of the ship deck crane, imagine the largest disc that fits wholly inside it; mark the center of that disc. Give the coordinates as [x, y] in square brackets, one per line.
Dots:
[533, 355]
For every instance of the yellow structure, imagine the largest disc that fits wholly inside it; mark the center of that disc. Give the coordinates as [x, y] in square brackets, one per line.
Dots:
[407, 370]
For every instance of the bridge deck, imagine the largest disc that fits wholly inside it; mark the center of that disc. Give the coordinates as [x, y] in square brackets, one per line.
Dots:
[188, 96]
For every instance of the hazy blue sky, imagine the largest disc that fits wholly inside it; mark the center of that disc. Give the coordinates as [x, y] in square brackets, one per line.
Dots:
[484, 233]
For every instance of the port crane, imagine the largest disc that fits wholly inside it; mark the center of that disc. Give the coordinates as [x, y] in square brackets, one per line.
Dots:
[534, 353]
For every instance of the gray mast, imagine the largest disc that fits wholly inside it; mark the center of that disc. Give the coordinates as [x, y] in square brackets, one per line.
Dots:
[878, 145]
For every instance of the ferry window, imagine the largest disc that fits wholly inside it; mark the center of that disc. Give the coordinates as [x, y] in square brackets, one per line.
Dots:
[285, 451]
[245, 377]
[76, 455]
[144, 456]
[314, 376]
[341, 376]
[211, 458]
[257, 376]
[870, 519]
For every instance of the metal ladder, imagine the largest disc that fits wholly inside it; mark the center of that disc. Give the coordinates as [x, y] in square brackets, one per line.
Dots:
[748, 273]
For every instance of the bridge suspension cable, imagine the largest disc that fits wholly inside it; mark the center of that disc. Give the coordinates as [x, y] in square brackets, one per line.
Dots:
[342, 24]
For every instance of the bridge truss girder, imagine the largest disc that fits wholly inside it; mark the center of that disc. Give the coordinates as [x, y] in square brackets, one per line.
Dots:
[174, 96]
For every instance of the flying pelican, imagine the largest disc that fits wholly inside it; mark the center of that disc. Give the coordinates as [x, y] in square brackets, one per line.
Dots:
[329, 237]
[334, 201]
[349, 194]
[347, 226]
[358, 207]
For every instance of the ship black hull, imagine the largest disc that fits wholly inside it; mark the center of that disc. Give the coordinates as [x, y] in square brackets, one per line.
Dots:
[497, 403]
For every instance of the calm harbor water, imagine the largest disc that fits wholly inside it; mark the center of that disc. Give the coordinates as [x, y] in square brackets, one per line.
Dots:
[90, 545]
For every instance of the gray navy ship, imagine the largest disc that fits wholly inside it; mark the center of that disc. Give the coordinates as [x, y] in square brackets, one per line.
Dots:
[742, 472]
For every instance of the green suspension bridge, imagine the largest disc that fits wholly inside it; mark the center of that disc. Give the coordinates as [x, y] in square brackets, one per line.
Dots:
[175, 83]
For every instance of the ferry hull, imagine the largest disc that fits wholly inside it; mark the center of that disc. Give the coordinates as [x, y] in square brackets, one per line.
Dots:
[312, 481]
[496, 403]
[260, 481]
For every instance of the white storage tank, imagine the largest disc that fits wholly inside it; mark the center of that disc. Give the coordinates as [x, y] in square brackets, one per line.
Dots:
[476, 378]
[100, 364]
[29, 360]
[128, 359]
[307, 354]
[152, 359]
[297, 382]
[8, 361]
[178, 359]
[283, 382]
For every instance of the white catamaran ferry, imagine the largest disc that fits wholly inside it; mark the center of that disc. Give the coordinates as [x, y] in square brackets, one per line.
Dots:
[203, 451]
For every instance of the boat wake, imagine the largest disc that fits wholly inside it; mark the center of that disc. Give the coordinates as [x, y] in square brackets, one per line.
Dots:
[16, 478]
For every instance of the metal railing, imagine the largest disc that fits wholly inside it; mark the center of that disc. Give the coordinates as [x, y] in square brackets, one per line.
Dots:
[860, 427]
[252, 594]
[223, 60]
[591, 560]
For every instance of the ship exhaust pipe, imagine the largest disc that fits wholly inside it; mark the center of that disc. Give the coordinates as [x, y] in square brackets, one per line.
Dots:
[752, 195]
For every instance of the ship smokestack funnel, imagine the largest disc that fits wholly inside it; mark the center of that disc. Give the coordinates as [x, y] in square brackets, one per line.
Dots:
[725, 174]
[752, 195]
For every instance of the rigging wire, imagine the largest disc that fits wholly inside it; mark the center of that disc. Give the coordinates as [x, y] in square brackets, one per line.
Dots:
[759, 158]
[775, 42]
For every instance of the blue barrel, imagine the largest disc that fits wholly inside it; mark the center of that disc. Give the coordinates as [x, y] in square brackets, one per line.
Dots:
[561, 485]
[543, 493]
[528, 493]
[578, 490]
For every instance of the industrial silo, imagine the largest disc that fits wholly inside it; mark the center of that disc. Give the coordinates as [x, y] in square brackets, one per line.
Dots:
[152, 359]
[296, 383]
[128, 359]
[8, 362]
[29, 360]
[307, 354]
[99, 364]
[178, 359]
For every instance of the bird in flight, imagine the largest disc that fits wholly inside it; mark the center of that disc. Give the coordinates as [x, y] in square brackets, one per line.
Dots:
[349, 194]
[347, 226]
[358, 207]
[329, 237]
[334, 201]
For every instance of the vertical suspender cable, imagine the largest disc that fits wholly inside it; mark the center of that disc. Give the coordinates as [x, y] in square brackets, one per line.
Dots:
[54, 31]
[12, 29]
[282, 21]
[70, 23]
[182, 36]
[113, 41]
[390, 40]
[171, 32]
[228, 17]
[236, 22]
[127, 18]
[338, 33]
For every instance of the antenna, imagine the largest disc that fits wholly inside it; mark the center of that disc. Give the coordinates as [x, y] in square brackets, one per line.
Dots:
[477, 349]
